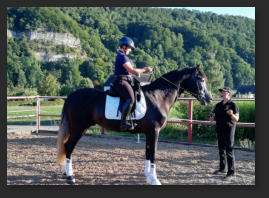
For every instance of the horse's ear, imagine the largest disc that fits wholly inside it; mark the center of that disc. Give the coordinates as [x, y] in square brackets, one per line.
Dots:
[198, 68]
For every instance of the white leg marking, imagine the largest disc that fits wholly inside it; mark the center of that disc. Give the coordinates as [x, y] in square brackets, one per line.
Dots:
[147, 170]
[152, 177]
[68, 167]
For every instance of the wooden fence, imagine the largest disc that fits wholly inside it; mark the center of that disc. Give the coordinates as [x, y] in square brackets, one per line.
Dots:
[190, 122]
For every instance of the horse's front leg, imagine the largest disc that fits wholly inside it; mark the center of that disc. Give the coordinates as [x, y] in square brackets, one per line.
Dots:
[151, 148]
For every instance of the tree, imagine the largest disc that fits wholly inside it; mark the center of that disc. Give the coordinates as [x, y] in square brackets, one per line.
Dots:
[95, 70]
[66, 89]
[86, 83]
[214, 74]
[49, 86]
[21, 79]
[70, 72]
[166, 39]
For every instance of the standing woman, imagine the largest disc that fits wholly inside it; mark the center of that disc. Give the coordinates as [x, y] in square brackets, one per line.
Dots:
[226, 114]
[124, 67]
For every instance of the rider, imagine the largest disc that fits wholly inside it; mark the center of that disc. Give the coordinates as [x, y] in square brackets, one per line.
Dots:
[124, 67]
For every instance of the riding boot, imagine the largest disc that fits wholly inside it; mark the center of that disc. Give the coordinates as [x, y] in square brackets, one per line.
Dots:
[126, 109]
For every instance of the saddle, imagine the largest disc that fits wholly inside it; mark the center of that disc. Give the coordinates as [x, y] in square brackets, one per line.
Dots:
[135, 83]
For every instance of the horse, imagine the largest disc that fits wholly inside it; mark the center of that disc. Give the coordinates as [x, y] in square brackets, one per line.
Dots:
[86, 107]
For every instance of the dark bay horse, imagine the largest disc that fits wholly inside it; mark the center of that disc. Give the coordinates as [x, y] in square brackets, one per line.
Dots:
[86, 107]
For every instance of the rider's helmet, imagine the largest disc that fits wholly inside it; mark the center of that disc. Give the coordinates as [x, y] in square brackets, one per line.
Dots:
[126, 41]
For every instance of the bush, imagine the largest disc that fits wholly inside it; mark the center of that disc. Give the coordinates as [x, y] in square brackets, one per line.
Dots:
[246, 110]
[49, 86]
[66, 90]
[20, 91]
[247, 114]
[174, 132]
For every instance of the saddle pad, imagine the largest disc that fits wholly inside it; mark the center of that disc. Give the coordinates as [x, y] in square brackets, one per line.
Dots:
[112, 104]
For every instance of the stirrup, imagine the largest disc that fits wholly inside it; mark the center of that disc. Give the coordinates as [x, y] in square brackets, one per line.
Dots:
[126, 127]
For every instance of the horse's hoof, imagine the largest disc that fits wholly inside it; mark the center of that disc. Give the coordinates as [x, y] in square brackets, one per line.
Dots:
[156, 182]
[64, 175]
[149, 180]
[70, 180]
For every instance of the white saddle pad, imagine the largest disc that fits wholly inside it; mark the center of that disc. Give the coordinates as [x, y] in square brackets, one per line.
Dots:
[112, 104]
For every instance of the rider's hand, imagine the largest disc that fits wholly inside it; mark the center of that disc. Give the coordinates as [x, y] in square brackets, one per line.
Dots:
[148, 69]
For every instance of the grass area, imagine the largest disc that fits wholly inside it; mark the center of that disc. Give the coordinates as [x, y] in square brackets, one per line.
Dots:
[172, 132]
[181, 136]
[31, 110]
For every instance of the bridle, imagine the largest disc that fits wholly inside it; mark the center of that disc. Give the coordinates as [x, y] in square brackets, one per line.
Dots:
[174, 85]
[196, 95]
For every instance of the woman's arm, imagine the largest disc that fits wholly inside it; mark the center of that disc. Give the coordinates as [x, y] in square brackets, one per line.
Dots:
[135, 71]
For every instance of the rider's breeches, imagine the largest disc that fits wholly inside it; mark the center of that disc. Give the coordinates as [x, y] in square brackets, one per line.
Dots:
[125, 90]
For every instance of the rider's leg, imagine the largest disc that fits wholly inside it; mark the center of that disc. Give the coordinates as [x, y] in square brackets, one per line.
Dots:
[126, 109]
[126, 92]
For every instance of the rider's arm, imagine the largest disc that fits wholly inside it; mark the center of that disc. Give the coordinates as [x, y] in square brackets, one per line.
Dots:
[135, 71]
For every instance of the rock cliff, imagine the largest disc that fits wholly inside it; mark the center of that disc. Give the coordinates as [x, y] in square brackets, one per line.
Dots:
[55, 38]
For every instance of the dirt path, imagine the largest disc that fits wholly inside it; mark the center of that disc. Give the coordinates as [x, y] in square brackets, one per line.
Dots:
[99, 160]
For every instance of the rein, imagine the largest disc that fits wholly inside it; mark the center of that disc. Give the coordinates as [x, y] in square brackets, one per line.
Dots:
[174, 85]
[177, 88]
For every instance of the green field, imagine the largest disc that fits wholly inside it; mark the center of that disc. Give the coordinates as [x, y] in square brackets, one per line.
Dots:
[31, 110]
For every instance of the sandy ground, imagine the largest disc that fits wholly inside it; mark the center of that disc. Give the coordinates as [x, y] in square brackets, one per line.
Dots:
[104, 160]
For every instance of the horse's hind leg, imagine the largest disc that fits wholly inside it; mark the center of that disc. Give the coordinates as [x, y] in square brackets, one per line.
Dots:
[75, 135]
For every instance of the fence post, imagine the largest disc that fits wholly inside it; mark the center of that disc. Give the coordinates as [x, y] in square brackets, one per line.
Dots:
[138, 138]
[103, 131]
[37, 113]
[190, 120]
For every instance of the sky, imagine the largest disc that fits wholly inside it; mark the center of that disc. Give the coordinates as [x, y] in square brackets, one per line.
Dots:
[235, 11]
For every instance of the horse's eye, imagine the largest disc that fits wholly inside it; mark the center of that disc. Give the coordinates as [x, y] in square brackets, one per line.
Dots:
[200, 78]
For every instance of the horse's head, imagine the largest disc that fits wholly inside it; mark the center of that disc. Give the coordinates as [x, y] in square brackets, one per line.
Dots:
[195, 84]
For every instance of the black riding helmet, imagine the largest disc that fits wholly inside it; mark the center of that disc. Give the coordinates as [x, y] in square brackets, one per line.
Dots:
[126, 41]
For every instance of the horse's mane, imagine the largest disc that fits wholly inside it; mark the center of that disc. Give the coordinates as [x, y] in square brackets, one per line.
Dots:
[172, 75]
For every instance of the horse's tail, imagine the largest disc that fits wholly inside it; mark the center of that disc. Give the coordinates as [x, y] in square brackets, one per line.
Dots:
[63, 135]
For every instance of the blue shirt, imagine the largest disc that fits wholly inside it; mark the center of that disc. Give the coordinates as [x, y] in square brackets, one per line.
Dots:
[121, 59]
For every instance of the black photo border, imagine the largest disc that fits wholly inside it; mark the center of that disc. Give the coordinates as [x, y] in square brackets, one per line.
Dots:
[261, 81]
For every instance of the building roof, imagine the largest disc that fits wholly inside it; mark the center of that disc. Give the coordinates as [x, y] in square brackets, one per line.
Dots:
[245, 89]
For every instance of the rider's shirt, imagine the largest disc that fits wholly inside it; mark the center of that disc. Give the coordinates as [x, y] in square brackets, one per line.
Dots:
[121, 59]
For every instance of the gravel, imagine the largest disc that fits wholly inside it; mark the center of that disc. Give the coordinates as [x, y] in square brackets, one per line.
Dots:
[105, 160]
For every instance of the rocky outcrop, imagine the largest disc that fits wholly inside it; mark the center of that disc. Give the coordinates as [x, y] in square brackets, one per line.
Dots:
[65, 39]
[52, 57]
[57, 38]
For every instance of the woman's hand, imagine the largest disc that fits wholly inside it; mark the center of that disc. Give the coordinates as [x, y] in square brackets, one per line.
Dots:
[148, 69]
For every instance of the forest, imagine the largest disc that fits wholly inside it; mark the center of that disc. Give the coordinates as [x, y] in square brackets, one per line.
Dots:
[166, 39]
